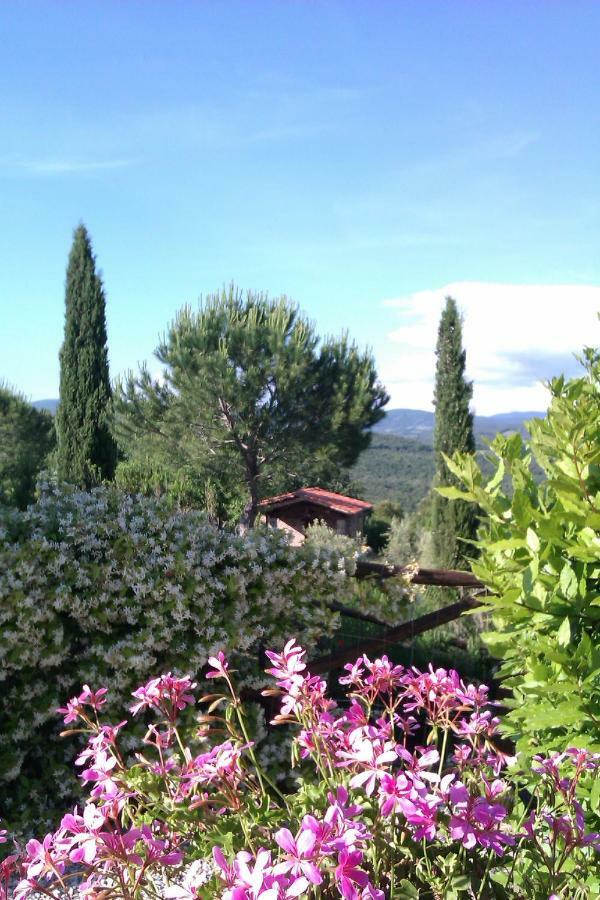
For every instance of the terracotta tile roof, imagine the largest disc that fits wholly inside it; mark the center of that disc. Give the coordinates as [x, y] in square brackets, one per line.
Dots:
[348, 505]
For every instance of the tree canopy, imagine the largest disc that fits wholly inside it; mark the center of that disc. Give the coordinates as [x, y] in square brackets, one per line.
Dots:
[251, 397]
[86, 450]
[26, 438]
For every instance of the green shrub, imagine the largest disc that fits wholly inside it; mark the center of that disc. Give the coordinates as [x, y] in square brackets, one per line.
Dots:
[103, 587]
[378, 524]
[26, 439]
[342, 547]
[540, 558]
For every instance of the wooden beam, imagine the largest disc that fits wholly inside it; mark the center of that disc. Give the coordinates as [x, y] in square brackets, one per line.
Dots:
[395, 635]
[451, 578]
[351, 613]
[436, 577]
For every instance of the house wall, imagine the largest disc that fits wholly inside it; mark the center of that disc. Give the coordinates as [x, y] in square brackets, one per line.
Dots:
[296, 536]
[295, 518]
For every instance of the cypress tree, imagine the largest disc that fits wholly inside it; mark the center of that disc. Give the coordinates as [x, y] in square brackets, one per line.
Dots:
[451, 519]
[86, 450]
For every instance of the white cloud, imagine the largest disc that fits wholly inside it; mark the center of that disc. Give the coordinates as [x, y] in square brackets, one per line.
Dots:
[516, 336]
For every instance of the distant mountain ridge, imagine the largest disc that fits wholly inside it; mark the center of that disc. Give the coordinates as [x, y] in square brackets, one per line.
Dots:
[419, 423]
[400, 463]
[415, 423]
[50, 405]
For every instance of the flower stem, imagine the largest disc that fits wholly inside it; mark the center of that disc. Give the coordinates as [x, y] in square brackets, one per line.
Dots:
[485, 876]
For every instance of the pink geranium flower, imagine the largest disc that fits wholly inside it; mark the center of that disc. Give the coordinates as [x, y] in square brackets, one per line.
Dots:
[421, 813]
[74, 708]
[45, 857]
[477, 821]
[369, 757]
[300, 854]
[219, 666]
[288, 665]
[167, 694]
[348, 874]
[392, 789]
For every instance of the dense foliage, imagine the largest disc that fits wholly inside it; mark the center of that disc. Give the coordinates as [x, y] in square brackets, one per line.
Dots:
[395, 468]
[451, 522]
[183, 486]
[26, 438]
[540, 557]
[86, 449]
[378, 523]
[250, 397]
[100, 586]
[377, 814]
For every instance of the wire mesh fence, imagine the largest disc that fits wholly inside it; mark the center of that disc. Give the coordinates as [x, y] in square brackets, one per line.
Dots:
[362, 632]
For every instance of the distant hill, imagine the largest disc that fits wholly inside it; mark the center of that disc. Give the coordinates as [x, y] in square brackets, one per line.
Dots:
[50, 405]
[414, 423]
[395, 468]
[399, 465]
[419, 423]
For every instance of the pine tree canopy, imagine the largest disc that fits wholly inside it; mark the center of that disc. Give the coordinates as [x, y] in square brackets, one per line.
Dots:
[86, 450]
[250, 393]
[451, 520]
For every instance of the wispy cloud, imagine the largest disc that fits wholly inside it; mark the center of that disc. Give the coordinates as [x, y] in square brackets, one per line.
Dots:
[475, 152]
[273, 110]
[66, 166]
[516, 337]
[289, 132]
[278, 88]
[506, 146]
[524, 368]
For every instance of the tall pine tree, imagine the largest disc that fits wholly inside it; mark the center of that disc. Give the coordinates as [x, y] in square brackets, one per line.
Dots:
[251, 396]
[86, 450]
[451, 519]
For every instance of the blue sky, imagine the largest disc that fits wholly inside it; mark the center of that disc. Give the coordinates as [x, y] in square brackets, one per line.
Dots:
[360, 157]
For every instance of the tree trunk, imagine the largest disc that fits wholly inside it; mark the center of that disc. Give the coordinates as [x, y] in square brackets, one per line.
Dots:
[251, 508]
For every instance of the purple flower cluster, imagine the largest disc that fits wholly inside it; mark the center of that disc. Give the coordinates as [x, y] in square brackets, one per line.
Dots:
[370, 740]
[376, 782]
[167, 694]
[562, 773]
[100, 844]
[334, 843]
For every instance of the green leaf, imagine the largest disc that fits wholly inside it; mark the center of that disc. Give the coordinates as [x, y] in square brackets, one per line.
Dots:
[568, 581]
[521, 508]
[406, 891]
[533, 542]
[505, 544]
[453, 493]
[595, 795]
[461, 883]
[564, 633]
[497, 478]
[542, 715]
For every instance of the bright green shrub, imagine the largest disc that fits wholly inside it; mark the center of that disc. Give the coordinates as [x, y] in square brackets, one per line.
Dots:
[540, 557]
[319, 536]
[103, 587]
[379, 523]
